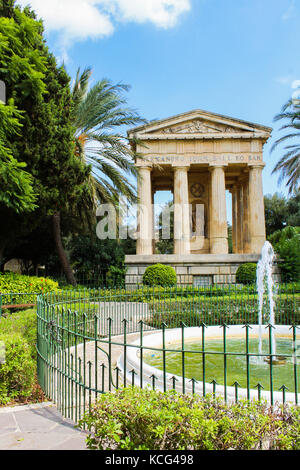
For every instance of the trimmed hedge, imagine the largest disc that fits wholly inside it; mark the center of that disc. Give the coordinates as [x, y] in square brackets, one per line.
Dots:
[160, 275]
[135, 419]
[232, 310]
[246, 273]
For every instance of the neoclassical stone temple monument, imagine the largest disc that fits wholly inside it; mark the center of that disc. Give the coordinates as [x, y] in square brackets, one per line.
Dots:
[199, 156]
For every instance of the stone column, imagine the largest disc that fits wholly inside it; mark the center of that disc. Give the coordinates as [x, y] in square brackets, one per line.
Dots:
[246, 247]
[240, 215]
[145, 213]
[218, 218]
[234, 219]
[257, 225]
[181, 211]
[153, 222]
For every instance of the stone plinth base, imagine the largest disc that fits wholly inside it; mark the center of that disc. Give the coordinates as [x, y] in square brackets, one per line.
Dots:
[191, 269]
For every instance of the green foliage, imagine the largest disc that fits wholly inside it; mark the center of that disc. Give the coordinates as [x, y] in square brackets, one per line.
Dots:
[293, 208]
[233, 309]
[115, 276]
[135, 419]
[22, 323]
[275, 212]
[159, 275]
[246, 273]
[280, 211]
[286, 243]
[41, 93]
[99, 113]
[288, 165]
[17, 374]
[22, 63]
[91, 256]
[166, 246]
[13, 282]
[16, 191]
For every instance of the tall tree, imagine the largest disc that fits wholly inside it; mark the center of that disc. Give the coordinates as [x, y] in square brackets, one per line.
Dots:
[41, 91]
[293, 209]
[276, 213]
[288, 165]
[16, 191]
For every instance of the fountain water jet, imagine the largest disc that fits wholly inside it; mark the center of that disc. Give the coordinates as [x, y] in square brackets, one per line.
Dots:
[264, 279]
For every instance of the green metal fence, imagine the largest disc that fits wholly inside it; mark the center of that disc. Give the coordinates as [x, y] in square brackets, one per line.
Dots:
[95, 341]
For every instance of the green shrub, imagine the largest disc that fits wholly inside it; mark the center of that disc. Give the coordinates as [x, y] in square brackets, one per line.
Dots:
[115, 276]
[136, 419]
[19, 283]
[160, 275]
[232, 310]
[22, 323]
[286, 243]
[17, 374]
[246, 273]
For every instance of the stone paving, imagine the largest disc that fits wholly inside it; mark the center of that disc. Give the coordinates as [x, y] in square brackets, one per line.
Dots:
[38, 427]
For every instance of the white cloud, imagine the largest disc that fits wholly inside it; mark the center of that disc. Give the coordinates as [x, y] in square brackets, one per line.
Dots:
[163, 13]
[73, 19]
[78, 20]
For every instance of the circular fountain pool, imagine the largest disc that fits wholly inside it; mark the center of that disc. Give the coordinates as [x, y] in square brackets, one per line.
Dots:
[230, 368]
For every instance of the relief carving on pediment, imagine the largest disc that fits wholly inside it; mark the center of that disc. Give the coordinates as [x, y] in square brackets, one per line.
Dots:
[199, 127]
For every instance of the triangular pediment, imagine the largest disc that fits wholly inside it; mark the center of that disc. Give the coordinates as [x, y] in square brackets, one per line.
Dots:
[199, 124]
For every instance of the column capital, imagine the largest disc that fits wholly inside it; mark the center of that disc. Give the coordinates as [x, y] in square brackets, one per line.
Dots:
[214, 166]
[144, 167]
[253, 166]
[177, 166]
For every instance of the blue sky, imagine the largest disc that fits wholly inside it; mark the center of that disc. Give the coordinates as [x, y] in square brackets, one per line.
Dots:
[234, 57]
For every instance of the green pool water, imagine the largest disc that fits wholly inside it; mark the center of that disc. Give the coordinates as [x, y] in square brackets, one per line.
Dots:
[236, 364]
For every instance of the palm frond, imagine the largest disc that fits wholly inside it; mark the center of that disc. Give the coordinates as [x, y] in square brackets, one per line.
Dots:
[288, 166]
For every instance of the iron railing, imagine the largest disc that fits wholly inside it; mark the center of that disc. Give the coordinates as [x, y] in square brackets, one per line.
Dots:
[94, 341]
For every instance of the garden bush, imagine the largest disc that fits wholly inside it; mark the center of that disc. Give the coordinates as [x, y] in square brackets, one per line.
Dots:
[232, 310]
[136, 419]
[18, 373]
[19, 283]
[22, 323]
[160, 275]
[246, 273]
[286, 243]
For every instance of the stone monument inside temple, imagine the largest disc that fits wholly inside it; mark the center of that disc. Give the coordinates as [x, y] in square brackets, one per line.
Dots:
[199, 156]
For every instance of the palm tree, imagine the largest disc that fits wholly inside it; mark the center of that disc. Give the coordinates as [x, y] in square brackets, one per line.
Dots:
[289, 165]
[99, 113]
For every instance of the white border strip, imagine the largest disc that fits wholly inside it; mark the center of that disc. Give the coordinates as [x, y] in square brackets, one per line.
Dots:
[195, 333]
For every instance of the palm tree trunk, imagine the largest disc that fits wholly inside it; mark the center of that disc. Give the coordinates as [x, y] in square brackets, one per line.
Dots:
[61, 251]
